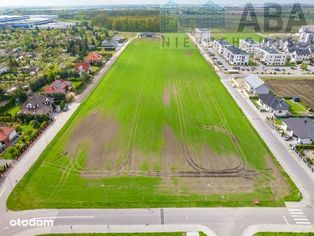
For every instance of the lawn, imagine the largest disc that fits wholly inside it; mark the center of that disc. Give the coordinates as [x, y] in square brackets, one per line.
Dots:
[160, 130]
[234, 37]
[296, 108]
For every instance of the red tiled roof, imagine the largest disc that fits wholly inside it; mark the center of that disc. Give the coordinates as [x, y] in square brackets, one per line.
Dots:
[5, 132]
[82, 66]
[93, 56]
[58, 86]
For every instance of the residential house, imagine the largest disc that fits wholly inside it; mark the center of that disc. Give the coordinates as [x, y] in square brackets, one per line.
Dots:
[219, 45]
[270, 43]
[58, 86]
[271, 56]
[253, 84]
[277, 106]
[248, 45]
[7, 136]
[300, 54]
[93, 57]
[235, 56]
[109, 45]
[301, 128]
[118, 39]
[82, 67]
[37, 104]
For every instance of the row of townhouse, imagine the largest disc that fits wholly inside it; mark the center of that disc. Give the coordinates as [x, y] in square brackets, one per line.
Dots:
[203, 35]
[234, 55]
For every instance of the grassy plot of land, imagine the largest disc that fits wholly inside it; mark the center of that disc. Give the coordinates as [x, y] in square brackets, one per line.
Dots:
[235, 37]
[159, 130]
[297, 87]
[296, 108]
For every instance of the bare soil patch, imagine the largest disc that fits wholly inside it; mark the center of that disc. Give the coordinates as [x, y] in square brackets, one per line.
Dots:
[287, 88]
[166, 97]
[207, 185]
[96, 131]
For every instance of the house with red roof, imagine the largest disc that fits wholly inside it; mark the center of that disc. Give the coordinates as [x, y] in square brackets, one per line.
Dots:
[82, 67]
[58, 86]
[93, 57]
[7, 136]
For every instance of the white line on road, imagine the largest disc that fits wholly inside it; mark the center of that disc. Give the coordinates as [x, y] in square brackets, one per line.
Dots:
[301, 219]
[3, 190]
[294, 210]
[5, 228]
[296, 213]
[303, 223]
[286, 220]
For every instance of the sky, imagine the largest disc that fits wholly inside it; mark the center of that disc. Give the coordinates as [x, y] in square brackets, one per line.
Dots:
[23, 3]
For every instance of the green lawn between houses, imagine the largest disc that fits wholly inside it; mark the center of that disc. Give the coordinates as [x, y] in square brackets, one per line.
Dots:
[296, 108]
[235, 37]
[133, 90]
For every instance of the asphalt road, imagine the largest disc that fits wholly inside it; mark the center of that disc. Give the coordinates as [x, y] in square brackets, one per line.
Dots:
[214, 221]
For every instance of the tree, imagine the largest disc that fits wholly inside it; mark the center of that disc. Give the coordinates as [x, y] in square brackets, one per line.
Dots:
[303, 66]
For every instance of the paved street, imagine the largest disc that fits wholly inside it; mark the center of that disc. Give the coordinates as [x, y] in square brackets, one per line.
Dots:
[214, 221]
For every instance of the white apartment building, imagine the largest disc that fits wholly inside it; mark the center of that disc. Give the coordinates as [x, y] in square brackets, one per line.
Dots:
[248, 45]
[202, 34]
[271, 56]
[306, 34]
[219, 45]
[235, 56]
[300, 54]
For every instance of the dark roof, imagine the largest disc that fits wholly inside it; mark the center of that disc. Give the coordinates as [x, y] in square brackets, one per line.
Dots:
[37, 104]
[271, 50]
[272, 101]
[235, 50]
[301, 127]
[108, 44]
[250, 41]
[223, 42]
[148, 34]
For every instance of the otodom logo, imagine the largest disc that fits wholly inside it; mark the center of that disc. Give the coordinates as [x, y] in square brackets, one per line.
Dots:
[34, 222]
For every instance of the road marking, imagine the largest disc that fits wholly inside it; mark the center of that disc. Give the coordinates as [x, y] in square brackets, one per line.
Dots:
[296, 213]
[286, 220]
[303, 223]
[5, 228]
[3, 190]
[301, 219]
[294, 210]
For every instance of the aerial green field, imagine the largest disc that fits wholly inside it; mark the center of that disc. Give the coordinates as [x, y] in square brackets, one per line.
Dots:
[160, 130]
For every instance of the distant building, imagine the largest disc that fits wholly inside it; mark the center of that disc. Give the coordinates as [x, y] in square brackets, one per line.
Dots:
[37, 104]
[118, 39]
[57, 86]
[147, 35]
[82, 67]
[7, 136]
[109, 45]
[235, 56]
[301, 128]
[248, 45]
[219, 45]
[93, 57]
[306, 34]
[203, 35]
[277, 106]
[271, 56]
